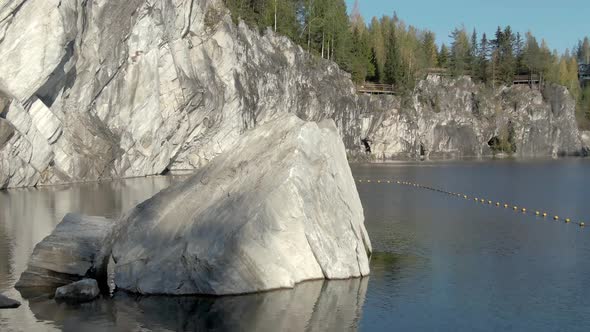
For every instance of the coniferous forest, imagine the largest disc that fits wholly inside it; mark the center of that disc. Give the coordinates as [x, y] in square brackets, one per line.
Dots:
[388, 50]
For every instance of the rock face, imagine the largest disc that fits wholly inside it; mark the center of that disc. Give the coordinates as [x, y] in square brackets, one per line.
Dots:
[80, 291]
[108, 88]
[8, 303]
[281, 207]
[70, 253]
[450, 118]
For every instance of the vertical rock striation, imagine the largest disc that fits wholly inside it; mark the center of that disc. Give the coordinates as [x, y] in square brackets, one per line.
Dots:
[107, 89]
[454, 117]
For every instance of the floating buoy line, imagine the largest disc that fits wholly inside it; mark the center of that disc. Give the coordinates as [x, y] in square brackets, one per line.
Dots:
[479, 200]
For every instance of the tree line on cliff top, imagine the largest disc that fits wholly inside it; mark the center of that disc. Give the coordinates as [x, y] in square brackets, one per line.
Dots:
[389, 51]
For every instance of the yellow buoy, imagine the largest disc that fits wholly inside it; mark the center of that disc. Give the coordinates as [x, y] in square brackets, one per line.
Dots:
[537, 213]
[489, 202]
[369, 181]
[567, 220]
[556, 217]
[515, 208]
[498, 204]
[544, 214]
[378, 181]
[475, 199]
[582, 224]
[506, 205]
[483, 200]
[388, 181]
[465, 196]
[523, 210]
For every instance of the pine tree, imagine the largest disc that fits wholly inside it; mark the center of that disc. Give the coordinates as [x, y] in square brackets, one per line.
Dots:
[460, 52]
[483, 61]
[473, 55]
[377, 73]
[429, 50]
[377, 42]
[393, 66]
[443, 57]
[505, 61]
[361, 53]
[573, 84]
[518, 52]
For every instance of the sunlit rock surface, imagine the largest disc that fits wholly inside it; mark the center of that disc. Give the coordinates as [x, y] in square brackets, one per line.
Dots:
[70, 253]
[278, 208]
[108, 89]
[454, 117]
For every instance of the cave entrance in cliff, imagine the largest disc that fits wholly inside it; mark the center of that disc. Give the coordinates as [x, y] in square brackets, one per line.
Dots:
[494, 141]
[422, 150]
[367, 144]
[166, 171]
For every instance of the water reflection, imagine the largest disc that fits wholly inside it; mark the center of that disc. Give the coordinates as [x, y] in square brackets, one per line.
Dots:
[311, 306]
[441, 263]
[28, 215]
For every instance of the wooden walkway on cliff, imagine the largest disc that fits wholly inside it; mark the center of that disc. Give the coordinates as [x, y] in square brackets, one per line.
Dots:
[531, 79]
[374, 88]
[389, 89]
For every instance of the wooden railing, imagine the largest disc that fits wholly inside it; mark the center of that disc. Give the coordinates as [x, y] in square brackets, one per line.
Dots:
[376, 88]
[527, 79]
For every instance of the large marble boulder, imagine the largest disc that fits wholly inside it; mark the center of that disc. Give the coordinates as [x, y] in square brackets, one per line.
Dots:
[278, 208]
[70, 253]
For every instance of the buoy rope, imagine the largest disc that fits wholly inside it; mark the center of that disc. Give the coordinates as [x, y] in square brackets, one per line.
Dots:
[516, 208]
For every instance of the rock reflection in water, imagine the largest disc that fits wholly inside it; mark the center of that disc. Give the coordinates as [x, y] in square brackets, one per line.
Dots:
[311, 306]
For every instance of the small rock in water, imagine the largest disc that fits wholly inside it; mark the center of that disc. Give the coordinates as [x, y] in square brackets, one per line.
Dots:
[80, 291]
[70, 253]
[8, 303]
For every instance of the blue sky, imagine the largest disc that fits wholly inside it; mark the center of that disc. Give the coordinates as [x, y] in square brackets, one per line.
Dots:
[560, 22]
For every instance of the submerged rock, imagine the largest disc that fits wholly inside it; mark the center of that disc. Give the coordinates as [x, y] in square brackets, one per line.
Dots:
[8, 303]
[80, 291]
[71, 252]
[278, 208]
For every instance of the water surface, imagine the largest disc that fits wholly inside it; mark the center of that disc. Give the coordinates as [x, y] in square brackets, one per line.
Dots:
[441, 263]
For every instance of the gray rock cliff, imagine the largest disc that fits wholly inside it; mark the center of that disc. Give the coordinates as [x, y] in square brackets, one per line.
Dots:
[454, 117]
[107, 89]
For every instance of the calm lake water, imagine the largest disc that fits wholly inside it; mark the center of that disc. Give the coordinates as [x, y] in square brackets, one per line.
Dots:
[440, 264]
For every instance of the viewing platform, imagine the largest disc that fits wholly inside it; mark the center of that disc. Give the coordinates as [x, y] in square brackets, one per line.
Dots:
[374, 88]
[530, 79]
